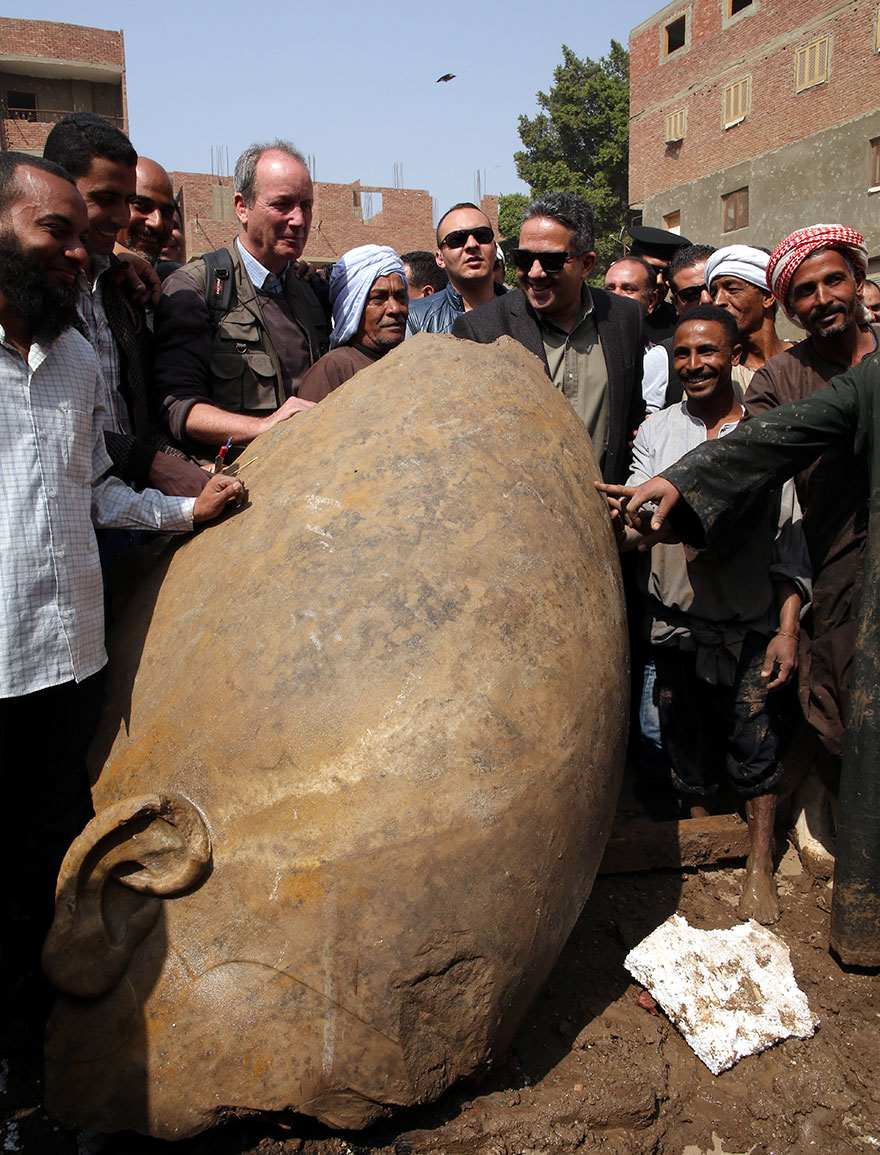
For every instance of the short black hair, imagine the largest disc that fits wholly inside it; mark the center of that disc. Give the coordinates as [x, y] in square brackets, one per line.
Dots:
[425, 270]
[710, 313]
[684, 258]
[76, 140]
[10, 161]
[572, 211]
[455, 208]
[868, 281]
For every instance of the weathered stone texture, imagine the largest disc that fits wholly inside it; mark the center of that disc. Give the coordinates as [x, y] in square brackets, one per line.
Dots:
[364, 743]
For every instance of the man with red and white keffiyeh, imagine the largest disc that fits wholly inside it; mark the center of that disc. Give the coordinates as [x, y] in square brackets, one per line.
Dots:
[817, 274]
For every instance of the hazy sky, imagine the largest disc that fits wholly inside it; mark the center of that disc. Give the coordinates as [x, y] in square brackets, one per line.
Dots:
[351, 83]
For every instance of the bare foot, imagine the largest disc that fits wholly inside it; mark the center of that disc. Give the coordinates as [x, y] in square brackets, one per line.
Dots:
[759, 899]
[699, 807]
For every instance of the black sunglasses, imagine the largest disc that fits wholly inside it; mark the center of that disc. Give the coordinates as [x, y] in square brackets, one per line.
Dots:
[482, 234]
[549, 262]
[691, 295]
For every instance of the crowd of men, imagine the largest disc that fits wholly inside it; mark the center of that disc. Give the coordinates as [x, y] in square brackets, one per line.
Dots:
[130, 378]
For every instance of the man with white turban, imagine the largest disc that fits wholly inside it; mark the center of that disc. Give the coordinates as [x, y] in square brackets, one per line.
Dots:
[370, 303]
[737, 280]
[817, 275]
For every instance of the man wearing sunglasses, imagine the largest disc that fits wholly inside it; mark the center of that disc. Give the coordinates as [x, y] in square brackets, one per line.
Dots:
[466, 250]
[589, 341]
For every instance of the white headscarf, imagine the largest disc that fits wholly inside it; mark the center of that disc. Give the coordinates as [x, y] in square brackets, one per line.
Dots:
[739, 261]
[350, 283]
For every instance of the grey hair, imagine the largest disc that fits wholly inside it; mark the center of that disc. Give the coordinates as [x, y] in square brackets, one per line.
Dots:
[245, 178]
[571, 211]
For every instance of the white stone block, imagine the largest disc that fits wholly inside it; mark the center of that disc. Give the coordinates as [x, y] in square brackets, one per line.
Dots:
[731, 993]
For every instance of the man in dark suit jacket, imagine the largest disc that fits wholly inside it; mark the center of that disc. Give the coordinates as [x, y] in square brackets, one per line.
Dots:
[590, 341]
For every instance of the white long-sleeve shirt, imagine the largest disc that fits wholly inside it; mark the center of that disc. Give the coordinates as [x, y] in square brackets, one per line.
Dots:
[53, 460]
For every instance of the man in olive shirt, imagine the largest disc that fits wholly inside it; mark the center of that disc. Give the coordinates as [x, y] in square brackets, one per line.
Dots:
[589, 341]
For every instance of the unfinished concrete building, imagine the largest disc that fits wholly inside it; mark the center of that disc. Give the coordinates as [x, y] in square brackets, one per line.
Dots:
[751, 118]
[48, 70]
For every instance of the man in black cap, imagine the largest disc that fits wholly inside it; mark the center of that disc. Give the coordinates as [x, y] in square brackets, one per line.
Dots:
[657, 247]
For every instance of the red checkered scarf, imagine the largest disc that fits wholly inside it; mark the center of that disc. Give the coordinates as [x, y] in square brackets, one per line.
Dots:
[788, 255]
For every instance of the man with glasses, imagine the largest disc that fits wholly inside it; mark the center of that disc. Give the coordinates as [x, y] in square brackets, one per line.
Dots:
[687, 277]
[589, 341]
[466, 250]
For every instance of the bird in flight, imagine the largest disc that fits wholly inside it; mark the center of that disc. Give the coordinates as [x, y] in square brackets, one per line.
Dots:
[448, 76]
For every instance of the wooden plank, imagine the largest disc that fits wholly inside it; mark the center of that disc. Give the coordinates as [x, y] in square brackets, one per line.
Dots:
[640, 844]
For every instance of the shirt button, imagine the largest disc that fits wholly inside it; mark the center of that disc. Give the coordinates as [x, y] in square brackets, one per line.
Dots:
[59, 553]
[66, 614]
[50, 493]
[41, 435]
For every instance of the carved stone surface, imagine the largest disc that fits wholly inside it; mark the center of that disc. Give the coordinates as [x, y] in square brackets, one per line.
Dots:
[360, 760]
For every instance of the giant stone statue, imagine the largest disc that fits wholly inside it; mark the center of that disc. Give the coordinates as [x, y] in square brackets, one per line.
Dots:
[358, 764]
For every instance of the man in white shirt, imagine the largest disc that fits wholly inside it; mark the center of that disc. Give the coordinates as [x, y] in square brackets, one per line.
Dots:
[57, 489]
[724, 631]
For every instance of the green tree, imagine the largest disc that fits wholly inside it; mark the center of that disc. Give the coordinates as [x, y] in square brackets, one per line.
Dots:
[579, 141]
[511, 207]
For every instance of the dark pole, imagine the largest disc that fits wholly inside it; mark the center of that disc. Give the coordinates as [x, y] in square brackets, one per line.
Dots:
[855, 907]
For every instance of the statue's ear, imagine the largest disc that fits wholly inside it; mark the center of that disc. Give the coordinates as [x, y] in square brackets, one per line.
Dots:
[110, 885]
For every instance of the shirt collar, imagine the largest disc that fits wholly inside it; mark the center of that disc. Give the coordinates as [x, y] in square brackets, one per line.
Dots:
[699, 421]
[586, 309]
[257, 272]
[100, 265]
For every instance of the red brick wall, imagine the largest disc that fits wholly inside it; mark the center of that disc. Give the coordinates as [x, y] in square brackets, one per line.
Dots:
[762, 44]
[405, 221]
[53, 41]
[25, 135]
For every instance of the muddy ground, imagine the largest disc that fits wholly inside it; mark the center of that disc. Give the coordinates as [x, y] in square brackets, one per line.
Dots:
[591, 1070]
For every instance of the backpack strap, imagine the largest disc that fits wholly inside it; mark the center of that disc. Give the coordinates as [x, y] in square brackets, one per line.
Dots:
[218, 284]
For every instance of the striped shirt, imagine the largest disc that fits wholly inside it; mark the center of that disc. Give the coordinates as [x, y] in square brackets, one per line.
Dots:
[52, 414]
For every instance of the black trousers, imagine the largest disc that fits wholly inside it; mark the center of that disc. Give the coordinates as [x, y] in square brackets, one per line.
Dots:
[709, 731]
[47, 801]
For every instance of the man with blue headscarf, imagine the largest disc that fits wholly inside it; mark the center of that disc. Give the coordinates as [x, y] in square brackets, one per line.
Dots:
[370, 303]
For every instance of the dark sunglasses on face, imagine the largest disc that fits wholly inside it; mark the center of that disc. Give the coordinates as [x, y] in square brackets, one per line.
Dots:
[549, 262]
[482, 234]
[691, 295]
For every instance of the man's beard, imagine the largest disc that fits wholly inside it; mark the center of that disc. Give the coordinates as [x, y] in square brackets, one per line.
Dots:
[47, 309]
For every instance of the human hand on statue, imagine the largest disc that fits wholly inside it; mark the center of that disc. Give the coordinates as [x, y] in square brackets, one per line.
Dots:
[642, 511]
[221, 490]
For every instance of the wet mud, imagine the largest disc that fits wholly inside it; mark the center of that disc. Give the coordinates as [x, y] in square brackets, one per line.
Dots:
[594, 1067]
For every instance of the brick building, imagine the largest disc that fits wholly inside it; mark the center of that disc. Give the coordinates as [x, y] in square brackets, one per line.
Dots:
[345, 215]
[48, 70]
[751, 118]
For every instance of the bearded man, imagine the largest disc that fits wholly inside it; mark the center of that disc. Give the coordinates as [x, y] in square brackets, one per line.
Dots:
[817, 275]
[58, 488]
